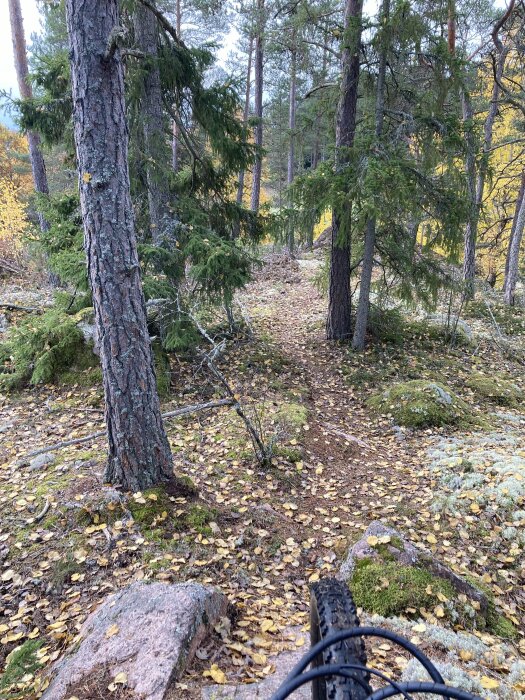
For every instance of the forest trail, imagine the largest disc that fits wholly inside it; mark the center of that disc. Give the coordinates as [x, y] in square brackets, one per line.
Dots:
[370, 468]
[275, 530]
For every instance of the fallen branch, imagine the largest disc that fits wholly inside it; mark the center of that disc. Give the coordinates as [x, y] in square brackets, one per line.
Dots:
[9, 266]
[192, 408]
[346, 436]
[260, 449]
[15, 307]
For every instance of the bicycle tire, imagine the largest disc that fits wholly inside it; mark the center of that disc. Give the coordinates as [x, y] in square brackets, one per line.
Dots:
[332, 609]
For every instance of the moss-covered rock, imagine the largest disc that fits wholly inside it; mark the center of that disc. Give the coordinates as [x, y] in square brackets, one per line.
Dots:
[388, 589]
[496, 389]
[421, 403]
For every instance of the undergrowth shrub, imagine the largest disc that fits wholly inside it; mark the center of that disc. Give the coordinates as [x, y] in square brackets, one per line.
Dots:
[39, 348]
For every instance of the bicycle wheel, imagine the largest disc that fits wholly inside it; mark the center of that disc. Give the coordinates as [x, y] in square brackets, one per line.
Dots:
[332, 609]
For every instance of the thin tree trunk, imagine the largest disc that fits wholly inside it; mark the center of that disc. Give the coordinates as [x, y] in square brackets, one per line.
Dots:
[521, 195]
[38, 166]
[361, 322]
[175, 126]
[139, 453]
[513, 253]
[152, 115]
[339, 322]
[246, 114]
[471, 229]
[471, 232]
[451, 27]
[258, 80]
[291, 146]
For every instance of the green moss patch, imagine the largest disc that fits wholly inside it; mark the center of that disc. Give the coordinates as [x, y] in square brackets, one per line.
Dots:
[421, 403]
[292, 415]
[388, 589]
[500, 391]
[20, 662]
[160, 517]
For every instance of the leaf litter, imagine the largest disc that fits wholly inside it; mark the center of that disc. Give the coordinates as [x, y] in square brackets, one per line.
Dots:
[264, 535]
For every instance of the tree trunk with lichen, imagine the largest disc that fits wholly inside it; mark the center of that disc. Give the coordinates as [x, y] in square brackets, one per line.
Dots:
[139, 453]
[513, 253]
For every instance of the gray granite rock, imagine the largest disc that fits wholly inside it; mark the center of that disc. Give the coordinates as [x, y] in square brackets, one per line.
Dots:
[41, 461]
[407, 555]
[149, 632]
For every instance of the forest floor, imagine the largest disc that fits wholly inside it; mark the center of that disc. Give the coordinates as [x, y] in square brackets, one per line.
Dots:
[263, 535]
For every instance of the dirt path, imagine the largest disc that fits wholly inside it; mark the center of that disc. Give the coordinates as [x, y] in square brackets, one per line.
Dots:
[366, 468]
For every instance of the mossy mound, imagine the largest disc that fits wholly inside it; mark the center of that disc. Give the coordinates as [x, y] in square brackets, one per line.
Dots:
[157, 514]
[389, 589]
[500, 391]
[292, 415]
[420, 404]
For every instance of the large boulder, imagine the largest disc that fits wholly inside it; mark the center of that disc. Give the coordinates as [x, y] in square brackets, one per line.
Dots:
[452, 325]
[143, 636]
[385, 549]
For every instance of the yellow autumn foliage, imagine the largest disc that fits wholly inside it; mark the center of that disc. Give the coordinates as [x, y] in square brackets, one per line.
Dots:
[13, 219]
[15, 186]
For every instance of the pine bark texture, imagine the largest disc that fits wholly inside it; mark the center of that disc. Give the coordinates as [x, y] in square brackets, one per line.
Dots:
[339, 322]
[38, 166]
[258, 106]
[513, 253]
[363, 308]
[139, 454]
[152, 114]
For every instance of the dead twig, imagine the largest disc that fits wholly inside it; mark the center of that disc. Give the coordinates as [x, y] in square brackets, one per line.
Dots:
[43, 512]
[346, 436]
[16, 307]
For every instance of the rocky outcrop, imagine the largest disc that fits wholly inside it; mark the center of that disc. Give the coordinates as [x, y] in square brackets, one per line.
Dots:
[143, 636]
[380, 542]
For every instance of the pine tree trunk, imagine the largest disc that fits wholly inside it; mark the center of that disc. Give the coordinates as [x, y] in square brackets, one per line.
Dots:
[246, 114]
[175, 126]
[38, 166]
[339, 322]
[471, 229]
[258, 105]
[363, 308]
[291, 146]
[513, 253]
[139, 453]
[153, 122]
